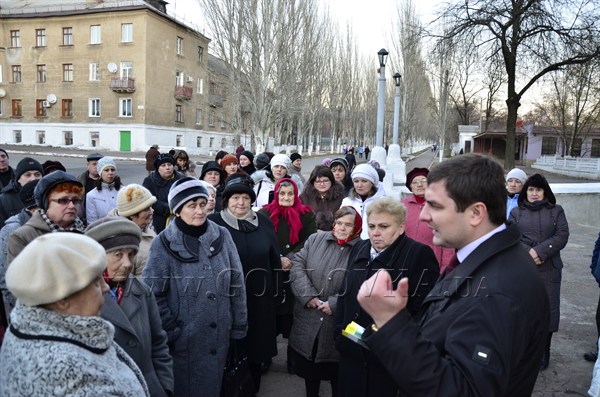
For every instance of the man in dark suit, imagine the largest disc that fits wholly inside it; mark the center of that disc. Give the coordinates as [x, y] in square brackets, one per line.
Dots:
[485, 321]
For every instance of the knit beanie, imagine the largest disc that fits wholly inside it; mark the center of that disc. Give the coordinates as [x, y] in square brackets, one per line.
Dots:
[94, 157]
[295, 156]
[367, 172]
[43, 188]
[105, 162]
[261, 161]
[4, 151]
[228, 159]
[133, 199]
[27, 164]
[248, 154]
[184, 190]
[26, 194]
[50, 166]
[212, 166]
[115, 232]
[163, 158]
[54, 266]
[281, 159]
[517, 173]
[239, 183]
[339, 161]
[415, 172]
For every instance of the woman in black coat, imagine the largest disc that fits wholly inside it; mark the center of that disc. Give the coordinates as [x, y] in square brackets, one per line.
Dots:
[324, 195]
[254, 237]
[159, 182]
[388, 247]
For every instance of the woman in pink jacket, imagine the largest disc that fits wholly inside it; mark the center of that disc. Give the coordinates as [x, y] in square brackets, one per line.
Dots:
[416, 182]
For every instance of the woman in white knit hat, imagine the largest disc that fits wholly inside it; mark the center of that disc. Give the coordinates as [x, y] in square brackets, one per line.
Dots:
[365, 190]
[103, 198]
[134, 202]
[57, 344]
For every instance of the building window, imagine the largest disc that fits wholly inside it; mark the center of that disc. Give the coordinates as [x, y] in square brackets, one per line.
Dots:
[178, 114]
[198, 141]
[179, 46]
[94, 138]
[68, 136]
[41, 73]
[200, 54]
[211, 142]
[68, 36]
[126, 69]
[199, 86]
[178, 78]
[212, 89]
[127, 32]
[94, 71]
[576, 151]
[40, 37]
[17, 108]
[1, 74]
[15, 38]
[222, 122]
[549, 145]
[223, 142]
[94, 107]
[198, 116]
[595, 148]
[67, 72]
[40, 108]
[211, 119]
[67, 108]
[18, 136]
[95, 34]
[178, 140]
[41, 137]
[125, 106]
[16, 73]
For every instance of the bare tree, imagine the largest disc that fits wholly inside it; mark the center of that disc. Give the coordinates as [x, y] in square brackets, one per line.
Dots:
[572, 107]
[533, 37]
[494, 78]
[464, 90]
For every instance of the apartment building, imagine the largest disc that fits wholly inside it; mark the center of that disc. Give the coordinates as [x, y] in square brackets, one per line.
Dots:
[113, 74]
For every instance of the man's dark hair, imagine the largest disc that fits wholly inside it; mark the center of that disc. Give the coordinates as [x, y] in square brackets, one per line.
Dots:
[471, 178]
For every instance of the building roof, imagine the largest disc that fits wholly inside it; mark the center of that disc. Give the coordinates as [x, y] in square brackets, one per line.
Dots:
[498, 133]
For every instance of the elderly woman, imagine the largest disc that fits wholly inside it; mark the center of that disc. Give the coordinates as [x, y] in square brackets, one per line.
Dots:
[339, 167]
[317, 274]
[59, 196]
[134, 202]
[293, 222]
[266, 179]
[214, 174]
[57, 344]
[256, 243]
[416, 182]
[544, 233]
[388, 247]
[196, 276]
[324, 195]
[130, 305]
[103, 198]
[366, 190]
[158, 183]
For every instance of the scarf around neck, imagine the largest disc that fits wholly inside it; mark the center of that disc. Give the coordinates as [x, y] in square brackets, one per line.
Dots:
[290, 214]
[355, 232]
[247, 223]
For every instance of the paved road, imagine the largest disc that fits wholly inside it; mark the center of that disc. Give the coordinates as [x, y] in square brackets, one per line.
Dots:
[568, 373]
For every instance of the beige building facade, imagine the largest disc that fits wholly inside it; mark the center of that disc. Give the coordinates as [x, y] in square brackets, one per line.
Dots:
[117, 75]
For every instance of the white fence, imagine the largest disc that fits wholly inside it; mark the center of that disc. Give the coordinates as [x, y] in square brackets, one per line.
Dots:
[572, 166]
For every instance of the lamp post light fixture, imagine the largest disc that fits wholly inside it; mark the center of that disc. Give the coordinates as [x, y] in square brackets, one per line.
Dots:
[397, 78]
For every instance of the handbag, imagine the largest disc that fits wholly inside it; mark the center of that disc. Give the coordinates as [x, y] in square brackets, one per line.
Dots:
[237, 379]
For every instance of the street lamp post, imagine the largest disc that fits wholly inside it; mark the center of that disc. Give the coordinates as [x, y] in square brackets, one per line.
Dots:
[395, 164]
[397, 78]
[378, 152]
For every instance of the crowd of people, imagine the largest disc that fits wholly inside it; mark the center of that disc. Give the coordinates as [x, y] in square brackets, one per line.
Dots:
[191, 266]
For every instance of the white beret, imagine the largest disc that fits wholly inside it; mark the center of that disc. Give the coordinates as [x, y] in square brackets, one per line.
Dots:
[55, 266]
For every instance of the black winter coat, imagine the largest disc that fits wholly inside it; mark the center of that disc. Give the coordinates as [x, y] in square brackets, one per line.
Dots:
[10, 202]
[257, 248]
[482, 331]
[361, 374]
[323, 207]
[159, 188]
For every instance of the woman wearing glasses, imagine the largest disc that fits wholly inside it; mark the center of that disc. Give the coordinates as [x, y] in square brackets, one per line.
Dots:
[59, 196]
[416, 182]
[324, 195]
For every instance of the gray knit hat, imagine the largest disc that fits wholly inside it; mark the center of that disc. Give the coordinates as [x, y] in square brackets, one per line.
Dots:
[184, 190]
[115, 232]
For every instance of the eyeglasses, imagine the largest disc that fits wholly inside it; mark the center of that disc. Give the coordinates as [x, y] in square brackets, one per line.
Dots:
[66, 201]
[419, 182]
[322, 182]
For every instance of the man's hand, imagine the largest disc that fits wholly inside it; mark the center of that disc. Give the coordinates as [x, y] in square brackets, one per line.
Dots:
[380, 300]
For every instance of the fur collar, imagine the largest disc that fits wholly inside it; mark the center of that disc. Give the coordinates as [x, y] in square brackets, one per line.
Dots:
[335, 192]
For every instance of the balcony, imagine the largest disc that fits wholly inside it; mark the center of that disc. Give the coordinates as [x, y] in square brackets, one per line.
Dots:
[126, 84]
[183, 93]
[215, 101]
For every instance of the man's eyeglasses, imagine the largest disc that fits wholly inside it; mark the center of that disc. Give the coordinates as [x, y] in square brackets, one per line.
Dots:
[66, 201]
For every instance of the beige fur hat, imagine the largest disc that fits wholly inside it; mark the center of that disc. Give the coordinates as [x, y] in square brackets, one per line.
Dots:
[53, 267]
[133, 199]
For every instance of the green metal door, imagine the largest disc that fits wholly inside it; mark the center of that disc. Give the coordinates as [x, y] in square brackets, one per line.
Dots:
[125, 141]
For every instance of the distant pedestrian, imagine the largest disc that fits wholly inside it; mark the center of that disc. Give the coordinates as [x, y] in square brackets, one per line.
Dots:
[151, 155]
[351, 160]
[361, 150]
[367, 151]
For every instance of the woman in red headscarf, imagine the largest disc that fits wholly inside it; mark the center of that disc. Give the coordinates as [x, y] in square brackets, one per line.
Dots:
[294, 222]
[416, 182]
[317, 275]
